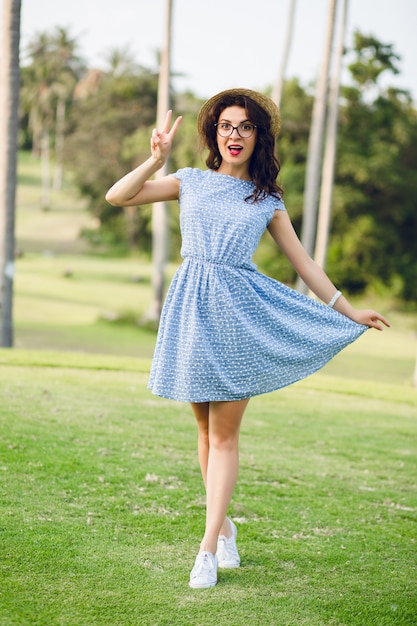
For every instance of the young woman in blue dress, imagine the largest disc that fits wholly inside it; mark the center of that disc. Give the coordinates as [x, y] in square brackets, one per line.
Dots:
[239, 127]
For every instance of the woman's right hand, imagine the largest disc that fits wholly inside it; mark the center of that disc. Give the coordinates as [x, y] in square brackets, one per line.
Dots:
[135, 188]
[161, 141]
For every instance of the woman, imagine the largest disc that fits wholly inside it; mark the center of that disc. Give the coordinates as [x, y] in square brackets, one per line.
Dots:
[227, 332]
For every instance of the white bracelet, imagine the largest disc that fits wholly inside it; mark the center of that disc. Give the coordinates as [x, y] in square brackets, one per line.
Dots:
[334, 299]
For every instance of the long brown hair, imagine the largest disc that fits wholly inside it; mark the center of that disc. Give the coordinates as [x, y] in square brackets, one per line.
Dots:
[264, 166]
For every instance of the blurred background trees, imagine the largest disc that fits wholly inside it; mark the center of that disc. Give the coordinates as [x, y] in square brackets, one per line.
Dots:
[48, 83]
[107, 116]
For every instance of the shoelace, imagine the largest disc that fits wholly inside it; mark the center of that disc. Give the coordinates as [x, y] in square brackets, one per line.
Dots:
[204, 564]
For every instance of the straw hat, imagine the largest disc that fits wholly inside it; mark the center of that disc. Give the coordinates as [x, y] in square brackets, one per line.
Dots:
[266, 103]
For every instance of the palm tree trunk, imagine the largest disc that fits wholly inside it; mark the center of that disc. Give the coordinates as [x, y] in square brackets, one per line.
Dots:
[159, 209]
[415, 374]
[36, 127]
[329, 161]
[59, 143]
[9, 107]
[315, 146]
[131, 230]
[45, 169]
[279, 84]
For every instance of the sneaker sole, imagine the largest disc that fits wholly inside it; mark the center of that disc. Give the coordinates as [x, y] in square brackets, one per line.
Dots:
[228, 565]
[203, 586]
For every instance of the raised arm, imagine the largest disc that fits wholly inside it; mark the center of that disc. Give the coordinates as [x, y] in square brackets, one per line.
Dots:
[314, 277]
[135, 188]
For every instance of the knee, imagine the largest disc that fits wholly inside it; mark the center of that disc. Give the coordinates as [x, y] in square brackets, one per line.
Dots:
[203, 431]
[203, 437]
[224, 441]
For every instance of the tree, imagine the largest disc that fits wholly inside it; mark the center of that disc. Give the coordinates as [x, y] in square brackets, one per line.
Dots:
[68, 70]
[315, 145]
[108, 133]
[372, 59]
[9, 106]
[47, 86]
[110, 110]
[159, 210]
[279, 83]
[375, 220]
[329, 160]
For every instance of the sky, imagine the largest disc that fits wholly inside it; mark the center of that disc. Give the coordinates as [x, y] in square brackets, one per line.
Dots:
[219, 44]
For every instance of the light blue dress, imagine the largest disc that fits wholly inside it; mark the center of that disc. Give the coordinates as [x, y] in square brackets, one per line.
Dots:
[228, 332]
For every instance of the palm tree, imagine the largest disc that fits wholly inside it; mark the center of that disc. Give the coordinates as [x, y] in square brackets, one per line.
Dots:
[36, 88]
[69, 68]
[315, 146]
[9, 106]
[279, 84]
[121, 62]
[48, 85]
[159, 209]
[326, 192]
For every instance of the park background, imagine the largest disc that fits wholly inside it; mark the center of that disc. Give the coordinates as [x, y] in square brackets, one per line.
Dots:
[103, 504]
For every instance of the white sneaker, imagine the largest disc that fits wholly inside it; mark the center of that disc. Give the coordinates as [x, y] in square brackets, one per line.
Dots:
[204, 572]
[227, 554]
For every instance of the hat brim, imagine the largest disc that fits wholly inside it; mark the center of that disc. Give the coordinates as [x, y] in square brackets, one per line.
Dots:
[266, 103]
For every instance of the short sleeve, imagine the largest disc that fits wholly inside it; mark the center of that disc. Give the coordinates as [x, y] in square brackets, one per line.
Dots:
[182, 173]
[280, 206]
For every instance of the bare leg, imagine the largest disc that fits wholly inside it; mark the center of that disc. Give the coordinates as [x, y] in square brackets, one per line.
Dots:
[221, 470]
[201, 412]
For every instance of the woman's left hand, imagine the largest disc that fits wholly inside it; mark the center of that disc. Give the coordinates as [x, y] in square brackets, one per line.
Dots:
[370, 318]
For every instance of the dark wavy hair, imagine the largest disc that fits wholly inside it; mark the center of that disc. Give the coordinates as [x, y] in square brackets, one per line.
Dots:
[264, 166]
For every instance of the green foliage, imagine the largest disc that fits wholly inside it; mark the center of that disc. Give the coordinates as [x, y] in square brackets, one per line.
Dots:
[272, 263]
[112, 109]
[372, 59]
[356, 248]
[50, 71]
[375, 221]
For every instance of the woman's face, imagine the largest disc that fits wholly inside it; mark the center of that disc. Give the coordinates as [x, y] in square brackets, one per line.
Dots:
[235, 150]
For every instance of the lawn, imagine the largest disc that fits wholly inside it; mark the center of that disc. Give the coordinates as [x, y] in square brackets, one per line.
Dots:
[82, 303]
[103, 508]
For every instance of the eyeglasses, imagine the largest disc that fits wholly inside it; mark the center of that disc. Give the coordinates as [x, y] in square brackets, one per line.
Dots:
[245, 130]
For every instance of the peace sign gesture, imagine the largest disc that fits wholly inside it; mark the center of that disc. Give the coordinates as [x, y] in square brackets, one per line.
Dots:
[161, 141]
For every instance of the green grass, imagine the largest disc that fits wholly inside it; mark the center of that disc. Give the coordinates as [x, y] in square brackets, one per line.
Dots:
[56, 311]
[103, 507]
[56, 230]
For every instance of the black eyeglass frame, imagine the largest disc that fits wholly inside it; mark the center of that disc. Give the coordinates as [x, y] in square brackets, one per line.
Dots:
[235, 128]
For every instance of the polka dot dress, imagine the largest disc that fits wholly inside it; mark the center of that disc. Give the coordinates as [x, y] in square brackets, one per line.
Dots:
[228, 332]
